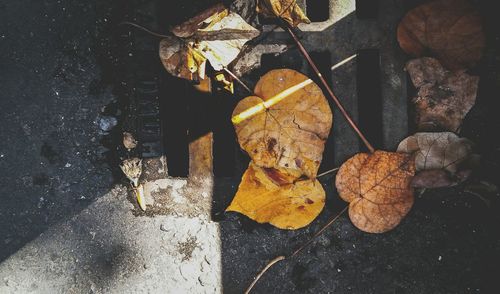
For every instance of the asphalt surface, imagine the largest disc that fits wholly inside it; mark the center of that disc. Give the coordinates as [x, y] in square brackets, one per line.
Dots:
[57, 77]
[52, 163]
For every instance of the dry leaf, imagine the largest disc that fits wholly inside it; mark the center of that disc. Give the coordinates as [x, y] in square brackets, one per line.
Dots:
[288, 10]
[139, 194]
[216, 35]
[204, 18]
[221, 42]
[129, 141]
[438, 158]
[444, 98]
[132, 168]
[289, 134]
[450, 30]
[437, 150]
[377, 187]
[438, 178]
[180, 60]
[268, 196]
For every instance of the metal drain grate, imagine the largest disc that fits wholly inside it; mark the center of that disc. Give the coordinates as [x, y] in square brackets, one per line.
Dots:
[348, 39]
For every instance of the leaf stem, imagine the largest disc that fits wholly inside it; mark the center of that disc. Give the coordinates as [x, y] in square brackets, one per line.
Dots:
[283, 257]
[327, 172]
[329, 90]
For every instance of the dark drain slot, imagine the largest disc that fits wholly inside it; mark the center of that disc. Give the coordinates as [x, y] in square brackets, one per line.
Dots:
[174, 113]
[225, 144]
[369, 95]
[318, 10]
[366, 9]
[324, 63]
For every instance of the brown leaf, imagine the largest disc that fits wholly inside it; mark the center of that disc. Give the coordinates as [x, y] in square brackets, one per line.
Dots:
[438, 158]
[204, 18]
[377, 187]
[218, 39]
[290, 134]
[450, 30]
[129, 141]
[268, 196]
[288, 10]
[180, 60]
[434, 178]
[444, 98]
[437, 150]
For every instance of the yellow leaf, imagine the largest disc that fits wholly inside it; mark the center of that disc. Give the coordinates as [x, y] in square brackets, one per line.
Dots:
[225, 81]
[271, 196]
[288, 10]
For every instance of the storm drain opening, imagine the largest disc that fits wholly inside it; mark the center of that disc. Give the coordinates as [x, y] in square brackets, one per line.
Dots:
[369, 95]
[318, 10]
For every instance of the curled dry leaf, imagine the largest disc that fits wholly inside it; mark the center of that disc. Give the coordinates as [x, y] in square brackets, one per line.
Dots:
[180, 60]
[288, 10]
[216, 35]
[450, 30]
[286, 125]
[129, 141]
[444, 98]
[377, 187]
[271, 196]
[438, 158]
[132, 168]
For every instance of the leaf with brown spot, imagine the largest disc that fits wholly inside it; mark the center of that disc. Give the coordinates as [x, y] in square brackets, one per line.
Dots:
[269, 196]
[377, 187]
[290, 134]
[444, 98]
[449, 30]
[288, 10]
[435, 152]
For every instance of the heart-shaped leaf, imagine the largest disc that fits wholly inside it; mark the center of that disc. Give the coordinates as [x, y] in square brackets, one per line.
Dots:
[271, 196]
[377, 187]
[286, 125]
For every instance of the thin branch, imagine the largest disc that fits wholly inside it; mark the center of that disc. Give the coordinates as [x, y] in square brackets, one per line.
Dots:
[268, 266]
[329, 90]
[238, 80]
[144, 29]
[319, 232]
[282, 257]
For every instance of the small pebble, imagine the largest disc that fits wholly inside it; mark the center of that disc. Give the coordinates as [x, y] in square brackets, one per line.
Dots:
[107, 123]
